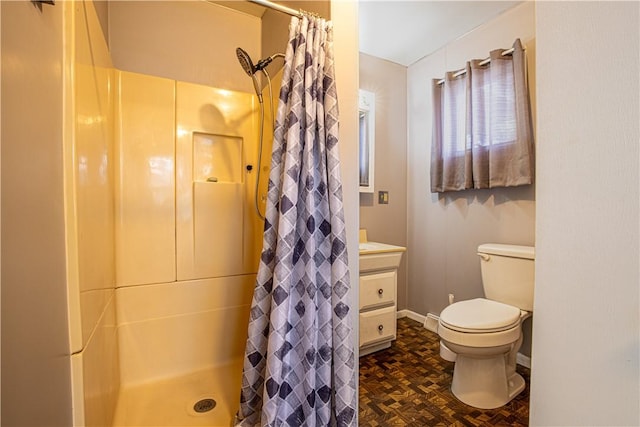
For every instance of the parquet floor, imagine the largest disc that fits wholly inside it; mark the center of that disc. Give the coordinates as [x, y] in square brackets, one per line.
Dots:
[409, 385]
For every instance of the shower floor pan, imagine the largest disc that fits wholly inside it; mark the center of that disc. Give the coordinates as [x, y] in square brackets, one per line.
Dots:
[170, 402]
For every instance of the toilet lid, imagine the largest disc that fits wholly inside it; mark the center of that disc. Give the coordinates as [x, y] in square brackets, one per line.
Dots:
[480, 316]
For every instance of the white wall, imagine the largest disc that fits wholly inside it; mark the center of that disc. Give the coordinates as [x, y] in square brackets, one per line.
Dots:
[585, 327]
[444, 230]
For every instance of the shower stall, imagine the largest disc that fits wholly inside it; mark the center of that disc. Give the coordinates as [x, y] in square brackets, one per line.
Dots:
[166, 193]
[187, 245]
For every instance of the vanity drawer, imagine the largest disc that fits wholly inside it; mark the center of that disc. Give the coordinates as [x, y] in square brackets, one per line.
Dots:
[377, 325]
[377, 290]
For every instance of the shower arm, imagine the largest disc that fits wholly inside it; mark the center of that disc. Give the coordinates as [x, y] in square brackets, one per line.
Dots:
[262, 64]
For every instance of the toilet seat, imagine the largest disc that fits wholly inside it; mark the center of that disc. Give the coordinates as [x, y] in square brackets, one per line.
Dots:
[481, 316]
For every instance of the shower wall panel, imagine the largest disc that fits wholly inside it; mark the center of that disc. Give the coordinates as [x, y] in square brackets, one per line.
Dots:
[89, 209]
[145, 190]
[172, 329]
[92, 172]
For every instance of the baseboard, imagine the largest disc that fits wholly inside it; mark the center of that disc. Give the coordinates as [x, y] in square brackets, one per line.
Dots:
[430, 321]
[411, 315]
[523, 360]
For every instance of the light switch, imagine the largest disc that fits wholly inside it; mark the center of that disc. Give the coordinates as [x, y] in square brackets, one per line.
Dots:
[383, 197]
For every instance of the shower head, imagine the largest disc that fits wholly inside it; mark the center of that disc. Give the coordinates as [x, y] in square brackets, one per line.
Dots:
[245, 61]
[247, 66]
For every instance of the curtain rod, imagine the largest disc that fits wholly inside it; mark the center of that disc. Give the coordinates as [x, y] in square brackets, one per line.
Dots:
[280, 8]
[483, 62]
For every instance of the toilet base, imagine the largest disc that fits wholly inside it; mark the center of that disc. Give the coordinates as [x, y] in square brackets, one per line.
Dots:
[483, 382]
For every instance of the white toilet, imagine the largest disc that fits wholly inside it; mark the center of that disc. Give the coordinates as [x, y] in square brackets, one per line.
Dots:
[483, 335]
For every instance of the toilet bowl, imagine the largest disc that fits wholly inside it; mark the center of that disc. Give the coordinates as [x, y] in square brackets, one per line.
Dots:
[483, 335]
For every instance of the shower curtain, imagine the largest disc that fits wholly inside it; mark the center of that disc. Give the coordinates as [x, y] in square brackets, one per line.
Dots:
[299, 366]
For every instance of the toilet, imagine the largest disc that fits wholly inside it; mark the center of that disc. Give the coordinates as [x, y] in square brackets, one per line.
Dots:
[483, 335]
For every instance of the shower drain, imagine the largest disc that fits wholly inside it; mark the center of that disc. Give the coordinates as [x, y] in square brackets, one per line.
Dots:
[204, 405]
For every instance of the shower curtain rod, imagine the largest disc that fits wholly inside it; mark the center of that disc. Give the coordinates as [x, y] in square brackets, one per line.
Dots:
[280, 8]
[483, 62]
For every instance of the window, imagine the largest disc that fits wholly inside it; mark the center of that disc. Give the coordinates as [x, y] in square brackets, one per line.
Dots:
[482, 132]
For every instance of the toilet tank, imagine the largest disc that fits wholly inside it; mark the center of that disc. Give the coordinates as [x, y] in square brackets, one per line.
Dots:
[508, 274]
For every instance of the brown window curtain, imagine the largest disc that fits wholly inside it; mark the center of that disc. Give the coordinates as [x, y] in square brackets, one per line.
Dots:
[482, 130]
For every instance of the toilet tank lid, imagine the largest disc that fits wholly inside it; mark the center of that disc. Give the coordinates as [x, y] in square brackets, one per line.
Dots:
[515, 251]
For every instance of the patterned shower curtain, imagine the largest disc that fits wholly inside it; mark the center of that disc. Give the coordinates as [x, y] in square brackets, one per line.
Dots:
[299, 366]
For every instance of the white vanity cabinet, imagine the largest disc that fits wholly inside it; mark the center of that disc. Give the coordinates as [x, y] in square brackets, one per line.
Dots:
[378, 295]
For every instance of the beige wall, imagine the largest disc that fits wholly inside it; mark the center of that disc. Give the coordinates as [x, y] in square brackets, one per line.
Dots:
[445, 230]
[102, 11]
[35, 336]
[585, 352]
[345, 24]
[388, 223]
[189, 41]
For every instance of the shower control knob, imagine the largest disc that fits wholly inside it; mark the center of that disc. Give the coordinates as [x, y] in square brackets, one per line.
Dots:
[249, 168]
[380, 291]
[380, 328]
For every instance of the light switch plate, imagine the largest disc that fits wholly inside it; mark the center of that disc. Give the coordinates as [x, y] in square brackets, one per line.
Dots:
[383, 197]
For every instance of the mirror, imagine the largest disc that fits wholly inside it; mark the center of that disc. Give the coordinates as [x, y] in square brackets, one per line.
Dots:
[367, 124]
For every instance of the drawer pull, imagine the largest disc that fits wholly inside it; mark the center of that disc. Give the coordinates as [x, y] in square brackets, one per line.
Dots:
[380, 328]
[380, 291]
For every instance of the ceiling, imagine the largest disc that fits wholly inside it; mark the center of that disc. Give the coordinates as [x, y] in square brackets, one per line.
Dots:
[403, 31]
[406, 31]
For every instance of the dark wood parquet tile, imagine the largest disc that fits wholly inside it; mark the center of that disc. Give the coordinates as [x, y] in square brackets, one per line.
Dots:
[409, 385]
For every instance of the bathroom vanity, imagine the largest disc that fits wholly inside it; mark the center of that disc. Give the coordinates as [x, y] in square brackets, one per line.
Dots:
[379, 264]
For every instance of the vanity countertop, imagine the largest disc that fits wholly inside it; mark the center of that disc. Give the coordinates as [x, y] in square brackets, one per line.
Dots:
[366, 248]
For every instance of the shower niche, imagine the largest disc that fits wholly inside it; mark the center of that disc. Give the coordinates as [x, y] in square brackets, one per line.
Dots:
[217, 158]
[218, 205]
